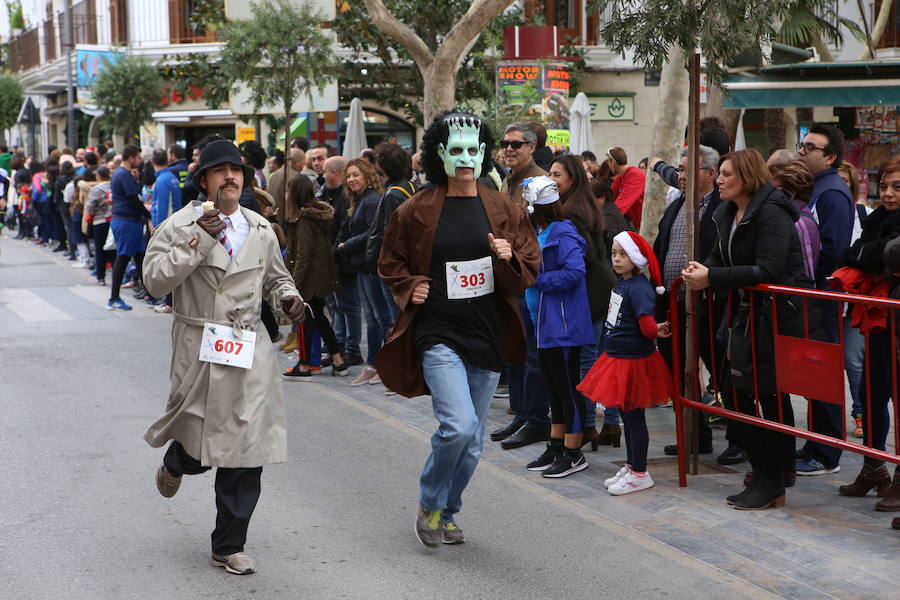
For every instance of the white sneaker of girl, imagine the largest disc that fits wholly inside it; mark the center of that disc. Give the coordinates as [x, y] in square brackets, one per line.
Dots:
[630, 483]
[617, 477]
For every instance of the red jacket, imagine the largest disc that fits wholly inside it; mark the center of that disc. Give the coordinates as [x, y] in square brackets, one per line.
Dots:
[854, 281]
[628, 189]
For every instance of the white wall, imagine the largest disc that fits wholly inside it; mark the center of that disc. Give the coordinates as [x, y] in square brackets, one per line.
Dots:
[148, 23]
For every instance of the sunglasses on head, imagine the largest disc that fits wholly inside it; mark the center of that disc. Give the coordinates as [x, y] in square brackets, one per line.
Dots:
[515, 144]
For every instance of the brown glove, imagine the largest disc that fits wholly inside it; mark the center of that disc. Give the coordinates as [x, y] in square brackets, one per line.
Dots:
[294, 308]
[211, 223]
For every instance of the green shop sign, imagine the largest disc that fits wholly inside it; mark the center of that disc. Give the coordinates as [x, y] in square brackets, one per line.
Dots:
[618, 106]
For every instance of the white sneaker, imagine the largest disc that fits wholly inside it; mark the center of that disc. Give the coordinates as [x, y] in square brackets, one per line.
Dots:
[617, 477]
[630, 483]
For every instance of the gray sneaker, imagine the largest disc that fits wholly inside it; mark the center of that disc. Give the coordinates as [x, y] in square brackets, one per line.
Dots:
[428, 527]
[452, 534]
[238, 563]
[166, 483]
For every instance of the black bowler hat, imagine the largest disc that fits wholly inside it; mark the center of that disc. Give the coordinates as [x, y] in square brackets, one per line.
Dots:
[221, 152]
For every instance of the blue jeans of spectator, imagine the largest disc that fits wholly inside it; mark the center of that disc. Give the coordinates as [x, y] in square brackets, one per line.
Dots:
[377, 313]
[393, 309]
[854, 357]
[461, 397]
[589, 355]
[345, 307]
[529, 397]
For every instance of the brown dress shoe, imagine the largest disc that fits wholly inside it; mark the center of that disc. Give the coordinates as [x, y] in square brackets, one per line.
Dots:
[891, 500]
[895, 523]
[873, 476]
[166, 483]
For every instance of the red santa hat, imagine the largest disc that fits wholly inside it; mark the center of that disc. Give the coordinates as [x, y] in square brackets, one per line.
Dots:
[641, 254]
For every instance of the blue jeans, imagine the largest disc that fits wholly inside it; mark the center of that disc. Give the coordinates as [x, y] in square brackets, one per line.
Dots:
[589, 355]
[344, 304]
[529, 397]
[393, 309]
[461, 397]
[854, 357]
[377, 312]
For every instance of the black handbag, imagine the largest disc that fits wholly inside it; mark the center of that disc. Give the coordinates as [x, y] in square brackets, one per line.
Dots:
[740, 347]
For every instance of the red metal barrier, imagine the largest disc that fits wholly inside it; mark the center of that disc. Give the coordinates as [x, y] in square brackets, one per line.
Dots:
[804, 366]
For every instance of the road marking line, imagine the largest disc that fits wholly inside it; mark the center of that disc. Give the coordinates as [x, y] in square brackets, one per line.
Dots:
[31, 307]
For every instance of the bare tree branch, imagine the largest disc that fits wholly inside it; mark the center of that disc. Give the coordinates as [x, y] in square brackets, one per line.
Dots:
[402, 34]
[467, 29]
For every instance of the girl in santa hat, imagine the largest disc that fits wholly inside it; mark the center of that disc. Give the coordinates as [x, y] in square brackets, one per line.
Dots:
[631, 375]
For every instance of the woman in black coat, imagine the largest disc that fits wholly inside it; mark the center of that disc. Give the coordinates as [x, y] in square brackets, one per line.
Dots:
[757, 243]
[867, 255]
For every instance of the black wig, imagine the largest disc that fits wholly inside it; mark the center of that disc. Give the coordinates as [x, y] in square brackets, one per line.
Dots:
[438, 133]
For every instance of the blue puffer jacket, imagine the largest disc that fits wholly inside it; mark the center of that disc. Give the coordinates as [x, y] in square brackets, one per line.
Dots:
[561, 313]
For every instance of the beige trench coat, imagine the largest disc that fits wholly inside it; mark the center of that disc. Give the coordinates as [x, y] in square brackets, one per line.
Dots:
[224, 416]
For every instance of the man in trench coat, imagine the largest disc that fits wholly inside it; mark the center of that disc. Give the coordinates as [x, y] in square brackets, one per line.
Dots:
[220, 265]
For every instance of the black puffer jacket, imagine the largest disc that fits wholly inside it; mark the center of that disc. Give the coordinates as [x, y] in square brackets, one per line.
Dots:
[866, 254]
[766, 247]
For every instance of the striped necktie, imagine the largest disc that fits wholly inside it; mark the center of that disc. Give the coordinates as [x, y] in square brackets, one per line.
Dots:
[223, 239]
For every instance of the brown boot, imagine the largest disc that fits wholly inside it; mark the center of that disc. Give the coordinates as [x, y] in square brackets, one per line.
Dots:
[895, 523]
[891, 500]
[873, 475]
[610, 435]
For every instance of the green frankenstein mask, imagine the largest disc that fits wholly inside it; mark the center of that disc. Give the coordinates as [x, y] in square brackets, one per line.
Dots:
[463, 148]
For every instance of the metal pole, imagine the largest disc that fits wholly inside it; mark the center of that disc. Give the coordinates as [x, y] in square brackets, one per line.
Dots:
[72, 131]
[692, 205]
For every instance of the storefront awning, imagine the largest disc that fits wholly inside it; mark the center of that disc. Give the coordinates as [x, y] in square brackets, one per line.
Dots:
[815, 84]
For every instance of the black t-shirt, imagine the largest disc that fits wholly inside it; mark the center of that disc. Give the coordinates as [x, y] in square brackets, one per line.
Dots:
[470, 326]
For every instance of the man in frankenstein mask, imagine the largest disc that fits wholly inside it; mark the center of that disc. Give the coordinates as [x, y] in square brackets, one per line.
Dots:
[455, 256]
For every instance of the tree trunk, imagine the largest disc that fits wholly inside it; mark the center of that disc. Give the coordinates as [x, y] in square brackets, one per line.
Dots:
[439, 91]
[775, 129]
[668, 137]
[821, 47]
[881, 23]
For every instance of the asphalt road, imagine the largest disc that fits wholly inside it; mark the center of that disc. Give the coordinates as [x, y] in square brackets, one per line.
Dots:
[81, 517]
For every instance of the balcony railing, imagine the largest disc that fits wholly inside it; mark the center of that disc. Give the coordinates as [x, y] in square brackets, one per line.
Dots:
[25, 51]
[180, 31]
[49, 40]
[84, 23]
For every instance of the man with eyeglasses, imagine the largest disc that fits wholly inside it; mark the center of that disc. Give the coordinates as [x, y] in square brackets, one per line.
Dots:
[529, 400]
[518, 144]
[833, 207]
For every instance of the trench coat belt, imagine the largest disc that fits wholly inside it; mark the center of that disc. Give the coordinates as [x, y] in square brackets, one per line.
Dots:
[238, 324]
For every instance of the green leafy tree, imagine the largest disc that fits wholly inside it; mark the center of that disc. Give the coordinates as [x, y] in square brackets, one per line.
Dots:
[128, 91]
[279, 55]
[381, 69]
[813, 22]
[11, 98]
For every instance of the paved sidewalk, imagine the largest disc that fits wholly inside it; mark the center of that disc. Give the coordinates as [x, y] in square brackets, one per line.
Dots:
[821, 545]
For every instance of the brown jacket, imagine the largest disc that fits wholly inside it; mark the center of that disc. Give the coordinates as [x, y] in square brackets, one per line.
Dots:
[405, 262]
[309, 257]
[512, 185]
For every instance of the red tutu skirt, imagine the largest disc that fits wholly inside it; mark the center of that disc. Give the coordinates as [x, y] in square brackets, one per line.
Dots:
[628, 383]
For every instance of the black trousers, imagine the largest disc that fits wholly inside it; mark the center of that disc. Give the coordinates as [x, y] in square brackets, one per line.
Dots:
[562, 371]
[237, 491]
[319, 320]
[267, 316]
[770, 453]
